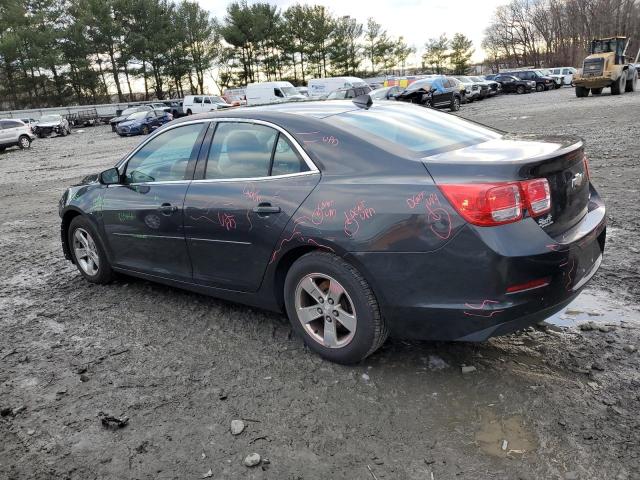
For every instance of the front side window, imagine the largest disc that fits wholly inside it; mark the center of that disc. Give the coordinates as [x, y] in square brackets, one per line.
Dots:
[240, 150]
[165, 157]
[197, 99]
[278, 93]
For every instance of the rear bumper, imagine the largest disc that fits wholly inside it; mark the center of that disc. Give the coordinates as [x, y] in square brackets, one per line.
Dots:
[460, 291]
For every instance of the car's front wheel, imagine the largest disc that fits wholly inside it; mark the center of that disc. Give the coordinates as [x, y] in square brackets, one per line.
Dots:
[145, 130]
[24, 142]
[520, 89]
[455, 104]
[87, 251]
[333, 308]
[539, 87]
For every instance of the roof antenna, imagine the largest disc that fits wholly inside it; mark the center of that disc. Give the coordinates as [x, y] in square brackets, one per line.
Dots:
[363, 101]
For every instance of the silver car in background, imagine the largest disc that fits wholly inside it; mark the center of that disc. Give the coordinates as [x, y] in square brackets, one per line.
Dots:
[14, 132]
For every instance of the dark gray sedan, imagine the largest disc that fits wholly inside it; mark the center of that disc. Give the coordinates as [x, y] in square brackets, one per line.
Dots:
[357, 221]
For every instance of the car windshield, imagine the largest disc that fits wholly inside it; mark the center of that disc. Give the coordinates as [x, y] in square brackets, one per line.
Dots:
[463, 79]
[289, 91]
[476, 79]
[420, 84]
[50, 118]
[418, 129]
[544, 72]
[128, 111]
[137, 115]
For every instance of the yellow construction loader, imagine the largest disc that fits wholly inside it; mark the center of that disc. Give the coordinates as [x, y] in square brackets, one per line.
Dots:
[607, 66]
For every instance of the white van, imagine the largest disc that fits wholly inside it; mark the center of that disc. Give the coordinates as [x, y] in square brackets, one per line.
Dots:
[271, 92]
[566, 73]
[202, 103]
[321, 87]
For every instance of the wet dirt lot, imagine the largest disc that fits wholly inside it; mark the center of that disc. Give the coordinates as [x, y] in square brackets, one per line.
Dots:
[558, 402]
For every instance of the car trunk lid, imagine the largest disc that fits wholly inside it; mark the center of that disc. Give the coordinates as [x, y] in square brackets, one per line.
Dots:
[514, 158]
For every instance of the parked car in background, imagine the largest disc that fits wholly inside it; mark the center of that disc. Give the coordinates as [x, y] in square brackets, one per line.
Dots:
[203, 103]
[485, 86]
[566, 73]
[542, 82]
[272, 92]
[160, 106]
[558, 79]
[436, 92]
[491, 76]
[235, 96]
[511, 84]
[29, 122]
[14, 132]
[321, 87]
[143, 123]
[385, 93]
[175, 108]
[359, 223]
[126, 112]
[471, 88]
[494, 87]
[50, 124]
[351, 92]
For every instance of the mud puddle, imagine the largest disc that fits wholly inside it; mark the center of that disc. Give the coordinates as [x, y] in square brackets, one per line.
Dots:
[597, 307]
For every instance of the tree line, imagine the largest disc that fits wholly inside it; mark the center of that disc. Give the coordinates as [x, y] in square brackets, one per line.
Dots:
[86, 51]
[548, 33]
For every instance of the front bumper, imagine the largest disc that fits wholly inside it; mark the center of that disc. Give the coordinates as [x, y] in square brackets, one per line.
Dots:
[460, 291]
[592, 82]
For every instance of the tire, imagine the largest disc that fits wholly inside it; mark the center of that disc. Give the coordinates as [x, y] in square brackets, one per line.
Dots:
[455, 104]
[103, 272]
[520, 89]
[596, 91]
[68, 130]
[539, 87]
[353, 341]
[618, 86]
[23, 142]
[558, 85]
[631, 84]
[189, 112]
[582, 91]
[2, 148]
[113, 127]
[63, 132]
[145, 130]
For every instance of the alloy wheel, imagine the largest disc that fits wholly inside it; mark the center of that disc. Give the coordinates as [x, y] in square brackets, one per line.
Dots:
[86, 252]
[24, 142]
[325, 310]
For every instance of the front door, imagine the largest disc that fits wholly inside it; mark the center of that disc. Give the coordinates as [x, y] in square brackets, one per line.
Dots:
[143, 216]
[254, 180]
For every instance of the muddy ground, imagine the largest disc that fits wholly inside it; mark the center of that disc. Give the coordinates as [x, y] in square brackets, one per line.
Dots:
[548, 403]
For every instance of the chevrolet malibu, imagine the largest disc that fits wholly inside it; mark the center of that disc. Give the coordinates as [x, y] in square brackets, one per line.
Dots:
[356, 220]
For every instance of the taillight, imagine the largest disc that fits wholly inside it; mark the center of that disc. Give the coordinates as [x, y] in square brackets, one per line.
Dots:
[485, 204]
[537, 196]
[490, 204]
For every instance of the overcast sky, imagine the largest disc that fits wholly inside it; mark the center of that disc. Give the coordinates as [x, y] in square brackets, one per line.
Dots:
[416, 20]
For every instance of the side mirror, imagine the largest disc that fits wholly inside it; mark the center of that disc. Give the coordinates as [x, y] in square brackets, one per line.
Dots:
[110, 177]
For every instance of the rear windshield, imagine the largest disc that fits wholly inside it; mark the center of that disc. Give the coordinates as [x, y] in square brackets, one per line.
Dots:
[421, 130]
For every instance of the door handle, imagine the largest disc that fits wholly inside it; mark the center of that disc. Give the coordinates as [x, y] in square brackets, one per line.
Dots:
[167, 208]
[266, 209]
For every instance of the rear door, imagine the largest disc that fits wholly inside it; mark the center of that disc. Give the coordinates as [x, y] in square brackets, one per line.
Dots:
[249, 182]
[5, 132]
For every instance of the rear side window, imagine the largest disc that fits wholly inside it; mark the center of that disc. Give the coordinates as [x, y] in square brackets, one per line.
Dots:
[11, 124]
[240, 150]
[286, 160]
[415, 128]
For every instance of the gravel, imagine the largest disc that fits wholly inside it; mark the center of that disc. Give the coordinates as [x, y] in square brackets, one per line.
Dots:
[180, 365]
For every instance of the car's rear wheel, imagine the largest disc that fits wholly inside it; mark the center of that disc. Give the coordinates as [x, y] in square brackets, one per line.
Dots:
[332, 307]
[189, 112]
[520, 89]
[455, 104]
[145, 130]
[87, 251]
[63, 131]
[113, 127]
[24, 142]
